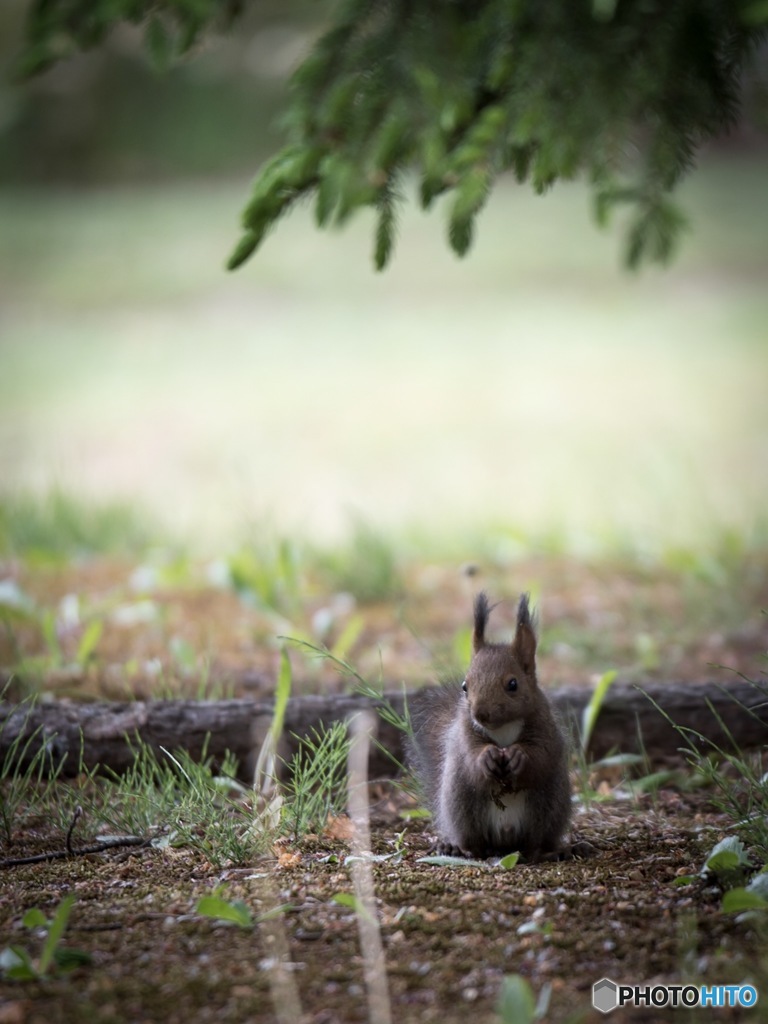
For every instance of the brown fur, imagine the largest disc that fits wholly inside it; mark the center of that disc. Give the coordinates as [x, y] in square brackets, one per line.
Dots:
[493, 761]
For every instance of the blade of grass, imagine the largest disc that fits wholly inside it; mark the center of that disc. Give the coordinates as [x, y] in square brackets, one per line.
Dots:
[264, 772]
[592, 710]
[55, 932]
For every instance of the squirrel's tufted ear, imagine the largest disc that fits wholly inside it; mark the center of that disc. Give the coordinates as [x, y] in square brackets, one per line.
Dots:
[482, 611]
[524, 643]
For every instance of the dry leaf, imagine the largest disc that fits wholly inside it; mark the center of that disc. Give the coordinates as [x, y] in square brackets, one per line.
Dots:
[340, 827]
[287, 858]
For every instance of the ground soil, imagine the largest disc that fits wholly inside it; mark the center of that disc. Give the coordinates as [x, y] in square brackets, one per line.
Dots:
[168, 630]
[450, 934]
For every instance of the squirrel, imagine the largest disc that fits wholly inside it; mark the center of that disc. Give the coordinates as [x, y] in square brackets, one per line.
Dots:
[490, 753]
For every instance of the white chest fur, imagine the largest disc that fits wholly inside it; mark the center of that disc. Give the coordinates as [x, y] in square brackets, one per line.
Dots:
[508, 817]
[507, 734]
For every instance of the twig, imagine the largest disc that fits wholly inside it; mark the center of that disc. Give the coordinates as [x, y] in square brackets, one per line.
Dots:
[75, 817]
[107, 844]
[105, 926]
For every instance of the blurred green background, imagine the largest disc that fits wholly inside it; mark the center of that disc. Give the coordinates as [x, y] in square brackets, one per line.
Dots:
[534, 393]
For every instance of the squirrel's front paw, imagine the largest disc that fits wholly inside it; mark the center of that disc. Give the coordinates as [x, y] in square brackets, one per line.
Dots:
[517, 759]
[495, 762]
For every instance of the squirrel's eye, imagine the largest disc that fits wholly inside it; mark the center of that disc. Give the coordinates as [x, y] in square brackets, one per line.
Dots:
[511, 685]
[464, 686]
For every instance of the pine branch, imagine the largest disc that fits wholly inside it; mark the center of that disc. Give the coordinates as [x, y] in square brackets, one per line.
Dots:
[461, 91]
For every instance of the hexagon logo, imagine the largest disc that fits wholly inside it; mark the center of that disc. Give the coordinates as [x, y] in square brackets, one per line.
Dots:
[604, 995]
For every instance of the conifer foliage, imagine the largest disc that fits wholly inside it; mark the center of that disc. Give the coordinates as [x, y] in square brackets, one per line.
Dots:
[621, 92]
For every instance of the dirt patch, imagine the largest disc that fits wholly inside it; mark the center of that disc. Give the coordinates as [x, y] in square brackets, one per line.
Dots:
[168, 631]
[450, 934]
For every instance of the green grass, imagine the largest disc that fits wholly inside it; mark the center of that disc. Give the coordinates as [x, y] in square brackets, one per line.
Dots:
[316, 783]
[60, 524]
[533, 395]
[739, 784]
[168, 798]
[26, 767]
[364, 564]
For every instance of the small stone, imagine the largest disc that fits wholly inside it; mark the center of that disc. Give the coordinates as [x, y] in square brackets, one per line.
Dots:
[420, 968]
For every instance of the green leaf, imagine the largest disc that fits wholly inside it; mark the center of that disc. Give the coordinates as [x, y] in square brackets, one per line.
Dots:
[759, 885]
[471, 193]
[385, 235]
[460, 235]
[235, 912]
[70, 959]
[370, 858]
[509, 861]
[651, 783]
[742, 899]
[35, 918]
[727, 855]
[392, 140]
[516, 1003]
[434, 170]
[416, 812]
[520, 161]
[16, 963]
[346, 899]
[278, 911]
[444, 861]
[618, 760]
[55, 933]
[684, 880]
[327, 198]
[726, 860]
[654, 233]
[355, 192]
[244, 249]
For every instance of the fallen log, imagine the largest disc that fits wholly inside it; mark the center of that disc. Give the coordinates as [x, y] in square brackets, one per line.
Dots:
[105, 734]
